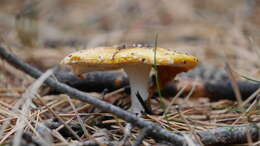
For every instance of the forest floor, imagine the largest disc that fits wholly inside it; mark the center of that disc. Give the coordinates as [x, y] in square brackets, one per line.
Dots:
[218, 32]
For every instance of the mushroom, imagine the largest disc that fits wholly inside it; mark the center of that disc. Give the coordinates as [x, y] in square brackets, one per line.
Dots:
[136, 60]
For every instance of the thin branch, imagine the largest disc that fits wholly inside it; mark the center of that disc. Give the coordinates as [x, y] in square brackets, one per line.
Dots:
[141, 137]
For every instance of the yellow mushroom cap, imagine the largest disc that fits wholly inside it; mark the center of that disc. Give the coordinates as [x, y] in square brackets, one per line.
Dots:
[164, 57]
[100, 55]
[93, 59]
[107, 58]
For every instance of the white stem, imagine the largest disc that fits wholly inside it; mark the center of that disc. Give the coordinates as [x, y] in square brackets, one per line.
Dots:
[138, 76]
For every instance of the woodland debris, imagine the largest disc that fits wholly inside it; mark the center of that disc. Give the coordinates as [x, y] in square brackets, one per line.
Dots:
[98, 81]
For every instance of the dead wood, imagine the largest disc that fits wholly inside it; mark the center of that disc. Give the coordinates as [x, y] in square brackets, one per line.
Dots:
[98, 81]
[224, 90]
[230, 134]
[93, 82]
[141, 137]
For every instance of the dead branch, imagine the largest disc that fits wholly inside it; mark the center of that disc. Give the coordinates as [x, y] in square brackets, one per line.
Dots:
[141, 137]
[224, 90]
[230, 134]
[93, 81]
[98, 81]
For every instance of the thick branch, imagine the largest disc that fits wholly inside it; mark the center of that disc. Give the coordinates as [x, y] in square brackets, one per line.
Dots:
[230, 134]
[93, 81]
[98, 81]
[224, 90]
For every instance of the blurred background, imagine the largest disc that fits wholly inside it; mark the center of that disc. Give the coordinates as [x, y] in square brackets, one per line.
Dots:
[43, 32]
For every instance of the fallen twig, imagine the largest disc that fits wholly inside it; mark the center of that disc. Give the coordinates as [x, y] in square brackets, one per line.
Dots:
[141, 137]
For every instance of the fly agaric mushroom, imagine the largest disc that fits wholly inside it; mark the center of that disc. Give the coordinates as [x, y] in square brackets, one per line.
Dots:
[137, 61]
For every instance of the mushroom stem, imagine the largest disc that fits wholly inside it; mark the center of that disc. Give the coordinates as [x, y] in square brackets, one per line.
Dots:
[138, 75]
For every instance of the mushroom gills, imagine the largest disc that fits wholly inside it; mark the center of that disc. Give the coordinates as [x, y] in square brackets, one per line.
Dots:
[138, 75]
